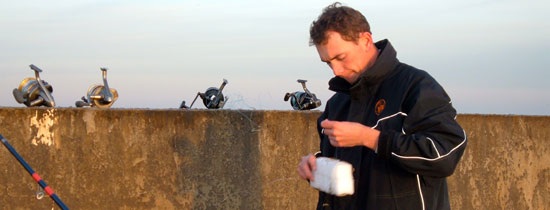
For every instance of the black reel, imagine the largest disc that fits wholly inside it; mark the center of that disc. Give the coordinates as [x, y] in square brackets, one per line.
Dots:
[99, 95]
[303, 100]
[34, 91]
[212, 98]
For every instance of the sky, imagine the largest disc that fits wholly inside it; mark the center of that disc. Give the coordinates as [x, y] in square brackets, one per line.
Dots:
[491, 57]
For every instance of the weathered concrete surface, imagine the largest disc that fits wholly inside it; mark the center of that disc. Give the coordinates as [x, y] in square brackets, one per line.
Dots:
[506, 164]
[157, 159]
[229, 159]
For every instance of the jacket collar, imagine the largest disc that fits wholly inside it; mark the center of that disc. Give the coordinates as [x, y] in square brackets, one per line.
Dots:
[381, 68]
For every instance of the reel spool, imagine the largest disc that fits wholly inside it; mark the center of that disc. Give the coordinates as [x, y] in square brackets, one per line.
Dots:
[212, 98]
[99, 95]
[34, 91]
[303, 100]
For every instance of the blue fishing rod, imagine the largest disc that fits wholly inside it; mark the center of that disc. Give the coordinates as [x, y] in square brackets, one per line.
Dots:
[34, 174]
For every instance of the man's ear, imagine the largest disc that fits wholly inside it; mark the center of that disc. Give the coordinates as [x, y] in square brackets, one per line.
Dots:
[365, 38]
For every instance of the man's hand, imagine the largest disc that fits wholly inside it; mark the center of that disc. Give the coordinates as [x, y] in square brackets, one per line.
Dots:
[306, 166]
[349, 134]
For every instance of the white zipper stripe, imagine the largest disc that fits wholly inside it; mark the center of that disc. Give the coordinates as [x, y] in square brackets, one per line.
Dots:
[439, 156]
[420, 190]
[434, 146]
[433, 159]
[385, 118]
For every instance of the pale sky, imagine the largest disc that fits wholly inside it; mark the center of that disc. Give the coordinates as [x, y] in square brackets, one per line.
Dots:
[490, 56]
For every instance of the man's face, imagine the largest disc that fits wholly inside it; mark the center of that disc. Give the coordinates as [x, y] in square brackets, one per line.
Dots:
[347, 59]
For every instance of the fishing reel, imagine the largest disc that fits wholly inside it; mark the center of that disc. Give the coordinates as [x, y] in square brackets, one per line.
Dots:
[34, 91]
[212, 98]
[303, 100]
[99, 95]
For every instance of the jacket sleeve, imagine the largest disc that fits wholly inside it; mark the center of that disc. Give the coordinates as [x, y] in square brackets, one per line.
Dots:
[323, 149]
[431, 142]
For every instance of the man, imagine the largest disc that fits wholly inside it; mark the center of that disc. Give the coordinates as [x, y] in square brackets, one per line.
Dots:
[394, 123]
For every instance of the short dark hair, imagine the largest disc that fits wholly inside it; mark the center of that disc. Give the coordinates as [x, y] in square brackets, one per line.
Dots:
[342, 19]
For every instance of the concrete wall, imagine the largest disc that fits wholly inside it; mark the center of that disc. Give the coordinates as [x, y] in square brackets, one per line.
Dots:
[506, 164]
[229, 159]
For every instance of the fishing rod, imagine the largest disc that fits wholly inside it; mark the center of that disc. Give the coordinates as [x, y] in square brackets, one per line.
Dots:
[34, 175]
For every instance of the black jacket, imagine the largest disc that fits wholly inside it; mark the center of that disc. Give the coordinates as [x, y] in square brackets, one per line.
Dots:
[420, 142]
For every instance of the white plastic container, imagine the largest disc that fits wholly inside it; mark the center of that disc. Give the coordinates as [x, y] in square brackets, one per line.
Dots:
[333, 176]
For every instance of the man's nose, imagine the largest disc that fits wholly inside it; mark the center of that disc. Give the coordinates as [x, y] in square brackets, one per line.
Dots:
[337, 69]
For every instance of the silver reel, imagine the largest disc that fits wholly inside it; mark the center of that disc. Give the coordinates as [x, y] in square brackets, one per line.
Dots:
[212, 98]
[303, 100]
[34, 91]
[99, 95]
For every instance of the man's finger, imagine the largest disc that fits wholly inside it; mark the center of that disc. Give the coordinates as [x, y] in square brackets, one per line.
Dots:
[334, 142]
[306, 171]
[304, 168]
[327, 124]
[309, 175]
[299, 170]
[310, 167]
[326, 131]
[312, 162]
[301, 173]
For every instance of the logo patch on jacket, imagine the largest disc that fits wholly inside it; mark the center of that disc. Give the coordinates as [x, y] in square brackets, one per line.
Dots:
[379, 107]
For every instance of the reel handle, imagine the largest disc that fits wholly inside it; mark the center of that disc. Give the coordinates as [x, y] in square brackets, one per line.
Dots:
[47, 97]
[36, 69]
[216, 100]
[288, 95]
[303, 81]
[221, 88]
[198, 94]
[81, 104]
[107, 96]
